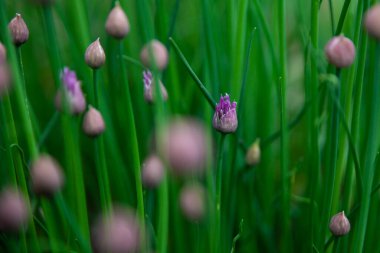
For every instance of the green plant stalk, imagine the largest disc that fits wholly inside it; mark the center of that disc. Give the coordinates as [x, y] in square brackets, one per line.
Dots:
[218, 197]
[101, 163]
[285, 196]
[342, 17]
[131, 136]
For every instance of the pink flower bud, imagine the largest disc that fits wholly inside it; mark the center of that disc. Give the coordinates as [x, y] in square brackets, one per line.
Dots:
[14, 211]
[47, 176]
[339, 224]
[95, 56]
[372, 21]
[150, 86]
[117, 24]
[340, 51]
[184, 146]
[116, 232]
[253, 155]
[5, 78]
[93, 123]
[152, 172]
[18, 30]
[192, 201]
[3, 54]
[159, 55]
[225, 118]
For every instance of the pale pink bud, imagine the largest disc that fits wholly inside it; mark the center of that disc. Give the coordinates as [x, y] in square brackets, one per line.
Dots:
[192, 201]
[95, 56]
[117, 24]
[116, 232]
[47, 176]
[150, 87]
[339, 224]
[14, 211]
[93, 123]
[340, 51]
[152, 172]
[154, 53]
[18, 29]
[3, 53]
[5, 78]
[253, 155]
[372, 21]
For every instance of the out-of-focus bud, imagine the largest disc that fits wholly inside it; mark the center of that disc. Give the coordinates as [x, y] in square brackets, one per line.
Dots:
[18, 29]
[117, 24]
[5, 78]
[95, 56]
[339, 224]
[14, 211]
[225, 118]
[150, 86]
[154, 53]
[3, 53]
[47, 176]
[116, 232]
[340, 51]
[372, 21]
[253, 155]
[72, 87]
[93, 123]
[192, 201]
[184, 147]
[153, 171]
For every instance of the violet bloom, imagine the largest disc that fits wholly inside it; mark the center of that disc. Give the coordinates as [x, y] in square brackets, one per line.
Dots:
[150, 86]
[71, 85]
[225, 118]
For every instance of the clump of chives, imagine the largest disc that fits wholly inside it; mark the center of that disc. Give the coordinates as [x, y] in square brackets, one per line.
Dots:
[340, 51]
[152, 171]
[159, 57]
[192, 201]
[19, 30]
[117, 24]
[150, 86]
[93, 123]
[372, 21]
[95, 56]
[339, 224]
[225, 119]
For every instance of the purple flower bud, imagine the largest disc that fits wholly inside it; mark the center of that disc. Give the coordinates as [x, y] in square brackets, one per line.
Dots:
[225, 118]
[340, 51]
[95, 56]
[47, 176]
[372, 21]
[192, 201]
[339, 224]
[14, 211]
[72, 87]
[117, 24]
[159, 55]
[150, 86]
[93, 123]
[18, 30]
[153, 171]
[116, 232]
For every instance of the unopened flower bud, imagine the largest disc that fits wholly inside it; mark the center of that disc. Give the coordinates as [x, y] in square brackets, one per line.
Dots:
[73, 92]
[5, 78]
[47, 176]
[192, 201]
[18, 29]
[150, 87]
[253, 155]
[95, 56]
[340, 51]
[93, 123]
[3, 54]
[14, 211]
[372, 21]
[225, 118]
[152, 172]
[339, 224]
[116, 232]
[117, 24]
[153, 54]
[185, 147]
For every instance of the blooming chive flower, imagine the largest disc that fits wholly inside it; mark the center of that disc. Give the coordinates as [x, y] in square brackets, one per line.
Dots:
[225, 118]
[149, 87]
[72, 87]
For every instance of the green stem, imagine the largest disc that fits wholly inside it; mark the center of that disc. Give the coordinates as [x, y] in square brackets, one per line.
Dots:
[218, 197]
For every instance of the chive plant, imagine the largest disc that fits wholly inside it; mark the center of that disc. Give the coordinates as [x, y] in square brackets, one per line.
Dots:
[211, 126]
